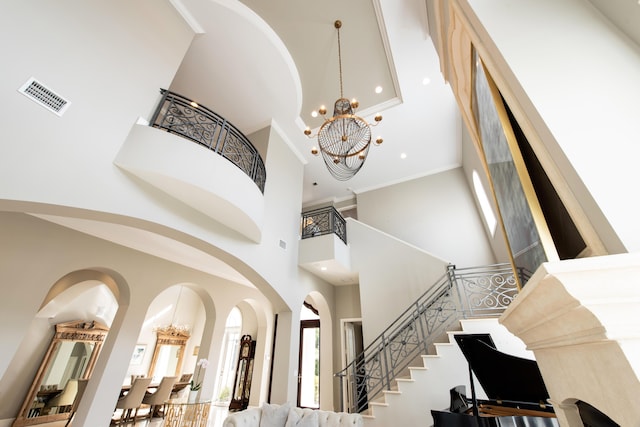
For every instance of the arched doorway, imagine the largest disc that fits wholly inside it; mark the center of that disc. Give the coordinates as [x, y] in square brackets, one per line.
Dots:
[179, 310]
[68, 332]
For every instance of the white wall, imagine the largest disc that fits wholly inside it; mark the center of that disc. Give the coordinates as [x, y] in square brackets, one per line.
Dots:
[576, 80]
[393, 274]
[436, 213]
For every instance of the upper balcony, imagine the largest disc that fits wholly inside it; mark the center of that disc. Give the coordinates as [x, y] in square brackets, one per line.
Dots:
[323, 249]
[199, 158]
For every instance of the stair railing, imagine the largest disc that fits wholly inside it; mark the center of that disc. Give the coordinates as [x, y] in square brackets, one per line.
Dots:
[458, 294]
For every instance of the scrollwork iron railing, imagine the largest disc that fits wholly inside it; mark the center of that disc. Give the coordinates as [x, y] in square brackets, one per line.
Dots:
[458, 294]
[322, 221]
[182, 116]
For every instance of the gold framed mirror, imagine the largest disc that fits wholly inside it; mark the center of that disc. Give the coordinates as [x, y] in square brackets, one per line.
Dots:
[169, 352]
[70, 359]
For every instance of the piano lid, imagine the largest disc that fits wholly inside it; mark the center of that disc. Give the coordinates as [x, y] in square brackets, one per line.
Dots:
[502, 376]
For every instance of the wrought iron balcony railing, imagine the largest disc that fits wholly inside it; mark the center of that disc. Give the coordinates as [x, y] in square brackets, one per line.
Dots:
[458, 294]
[324, 221]
[182, 116]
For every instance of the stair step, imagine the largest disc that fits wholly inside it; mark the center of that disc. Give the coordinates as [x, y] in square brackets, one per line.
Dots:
[391, 392]
[375, 403]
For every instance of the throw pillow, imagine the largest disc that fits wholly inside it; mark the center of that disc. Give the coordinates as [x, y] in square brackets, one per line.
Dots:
[274, 415]
[308, 419]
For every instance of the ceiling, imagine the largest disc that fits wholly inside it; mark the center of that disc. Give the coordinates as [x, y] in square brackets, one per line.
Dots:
[278, 60]
[260, 63]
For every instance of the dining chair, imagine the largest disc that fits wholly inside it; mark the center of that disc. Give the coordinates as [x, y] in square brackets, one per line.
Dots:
[131, 401]
[135, 377]
[64, 399]
[180, 385]
[82, 385]
[160, 396]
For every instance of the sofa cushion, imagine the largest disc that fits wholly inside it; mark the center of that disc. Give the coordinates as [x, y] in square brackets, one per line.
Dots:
[274, 415]
[302, 418]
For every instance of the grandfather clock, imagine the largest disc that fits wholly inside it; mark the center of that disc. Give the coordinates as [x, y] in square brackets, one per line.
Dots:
[244, 370]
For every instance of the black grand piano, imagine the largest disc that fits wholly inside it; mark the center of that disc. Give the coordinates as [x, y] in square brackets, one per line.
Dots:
[516, 392]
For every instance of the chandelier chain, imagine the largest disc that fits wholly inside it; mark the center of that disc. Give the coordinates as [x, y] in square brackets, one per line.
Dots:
[339, 60]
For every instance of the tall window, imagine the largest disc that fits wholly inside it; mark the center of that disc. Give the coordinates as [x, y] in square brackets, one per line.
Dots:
[230, 346]
[485, 206]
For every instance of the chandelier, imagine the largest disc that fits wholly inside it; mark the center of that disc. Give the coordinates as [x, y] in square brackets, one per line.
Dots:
[343, 139]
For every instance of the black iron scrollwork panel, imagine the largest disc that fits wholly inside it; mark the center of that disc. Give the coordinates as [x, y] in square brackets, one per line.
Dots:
[324, 221]
[179, 115]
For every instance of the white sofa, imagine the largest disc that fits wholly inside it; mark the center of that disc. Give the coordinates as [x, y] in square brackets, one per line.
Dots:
[271, 415]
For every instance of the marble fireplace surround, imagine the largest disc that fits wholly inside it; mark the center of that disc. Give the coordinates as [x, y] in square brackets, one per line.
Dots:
[581, 318]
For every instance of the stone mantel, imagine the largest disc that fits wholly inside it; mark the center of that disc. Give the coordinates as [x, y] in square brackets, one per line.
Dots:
[581, 318]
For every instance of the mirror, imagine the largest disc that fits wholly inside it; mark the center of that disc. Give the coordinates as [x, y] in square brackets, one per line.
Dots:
[69, 360]
[168, 353]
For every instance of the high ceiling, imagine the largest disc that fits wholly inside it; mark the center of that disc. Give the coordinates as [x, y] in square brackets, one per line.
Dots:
[259, 62]
[278, 60]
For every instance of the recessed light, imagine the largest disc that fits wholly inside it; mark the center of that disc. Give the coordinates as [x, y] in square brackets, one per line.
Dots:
[323, 268]
[378, 89]
[314, 113]
[426, 81]
[403, 155]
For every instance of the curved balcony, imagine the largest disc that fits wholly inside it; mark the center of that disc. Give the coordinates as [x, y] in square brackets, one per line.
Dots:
[226, 186]
[182, 116]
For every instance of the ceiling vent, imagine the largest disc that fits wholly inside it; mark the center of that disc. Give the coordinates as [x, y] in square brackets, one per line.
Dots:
[44, 96]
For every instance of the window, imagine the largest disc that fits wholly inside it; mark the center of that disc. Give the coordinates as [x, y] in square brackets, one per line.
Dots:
[487, 210]
[231, 343]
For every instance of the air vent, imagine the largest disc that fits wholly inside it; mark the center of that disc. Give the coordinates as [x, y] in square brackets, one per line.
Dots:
[44, 96]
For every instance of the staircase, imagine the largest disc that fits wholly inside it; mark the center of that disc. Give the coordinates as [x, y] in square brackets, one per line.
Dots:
[416, 352]
[427, 384]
